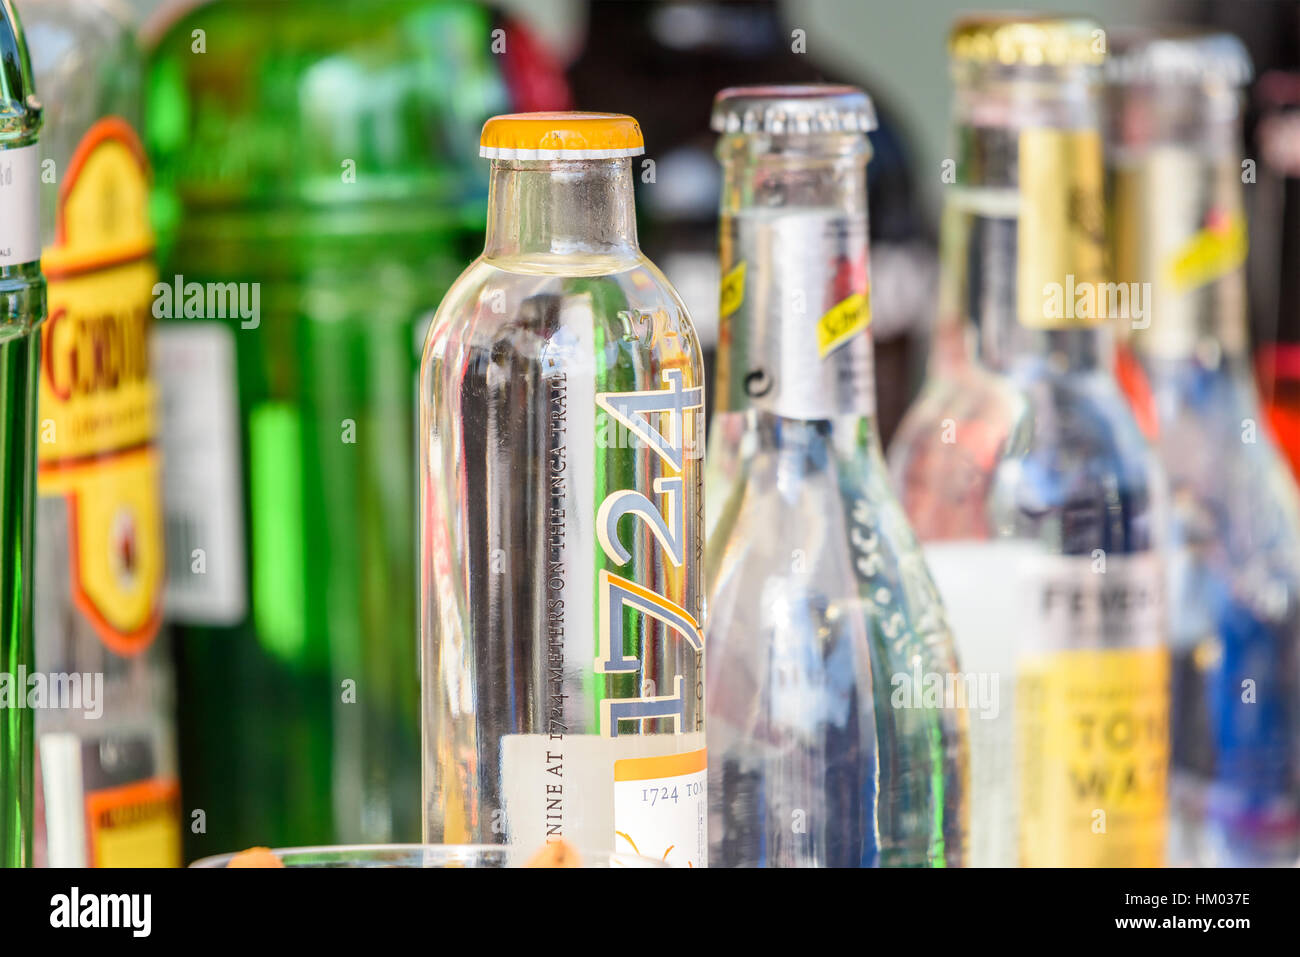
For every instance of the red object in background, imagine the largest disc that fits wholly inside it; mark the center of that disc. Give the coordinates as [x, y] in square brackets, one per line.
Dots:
[1278, 369]
[1133, 380]
[534, 77]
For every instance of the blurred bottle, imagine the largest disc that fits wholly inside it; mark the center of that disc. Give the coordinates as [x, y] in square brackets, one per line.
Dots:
[561, 519]
[1275, 249]
[1179, 234]
[315, 194]
[1030, 482]
[22, 309]
[686, 47]
[106, 771]
[819, 601]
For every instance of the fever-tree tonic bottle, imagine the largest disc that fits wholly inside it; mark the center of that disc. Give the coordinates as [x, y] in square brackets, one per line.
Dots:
[561, 430]
[22, 308]
[106, 764]
[1045, 553]
[816, 584]
[1174, 151]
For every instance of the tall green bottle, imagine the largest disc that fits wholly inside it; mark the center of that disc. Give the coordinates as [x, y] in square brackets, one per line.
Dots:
[22, 308]
[312, 196]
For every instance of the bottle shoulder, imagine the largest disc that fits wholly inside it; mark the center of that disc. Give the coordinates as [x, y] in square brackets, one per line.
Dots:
[508, 308]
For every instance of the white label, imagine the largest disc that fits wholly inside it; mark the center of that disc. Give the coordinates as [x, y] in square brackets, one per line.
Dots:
[1082, 602]
[660, 807]
[20, 206]
[194, 363]
[595, 793]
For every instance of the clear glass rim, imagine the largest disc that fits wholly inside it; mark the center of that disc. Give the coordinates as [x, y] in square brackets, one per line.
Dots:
[427, 853]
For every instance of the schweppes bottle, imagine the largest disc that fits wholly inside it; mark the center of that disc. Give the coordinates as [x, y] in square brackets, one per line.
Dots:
[22, 307]
[108, 792]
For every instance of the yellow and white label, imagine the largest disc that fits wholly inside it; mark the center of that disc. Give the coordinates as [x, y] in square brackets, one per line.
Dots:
[661, 807]
[97, 427]
[1093, 748]
[1060, 234]
[842, 322]
[137, 825]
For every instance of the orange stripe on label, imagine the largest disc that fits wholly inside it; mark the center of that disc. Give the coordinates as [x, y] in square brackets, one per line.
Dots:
[664, 766]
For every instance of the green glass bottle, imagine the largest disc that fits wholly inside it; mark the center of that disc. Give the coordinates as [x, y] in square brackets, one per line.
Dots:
[22, 308]
[313, 195]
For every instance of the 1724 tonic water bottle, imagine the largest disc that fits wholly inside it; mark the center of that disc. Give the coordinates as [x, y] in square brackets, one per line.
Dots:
[561, 430]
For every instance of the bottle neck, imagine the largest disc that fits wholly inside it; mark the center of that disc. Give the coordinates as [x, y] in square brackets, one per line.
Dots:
[1023, 239]
[794, 306]
[1178, 226]
[541, 210]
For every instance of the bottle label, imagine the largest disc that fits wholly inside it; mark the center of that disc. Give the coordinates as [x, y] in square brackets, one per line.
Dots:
[137, 825]
[1060, 280]
[202, 497]
[1092, 713]
[20, 198]
[657, 801]
[1179, 234]
[96, 432]
[793, 336]
[639, 794]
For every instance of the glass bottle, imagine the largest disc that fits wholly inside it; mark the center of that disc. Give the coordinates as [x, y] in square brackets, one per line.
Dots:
[1233, 534]
[107, 768]
[561, 429]
[820, 606]
[1274, 286]
[22, 309]
[318, 166]
[1036, 496]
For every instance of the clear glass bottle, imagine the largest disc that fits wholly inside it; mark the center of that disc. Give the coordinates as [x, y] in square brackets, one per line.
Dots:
[1037, 496]
[107, 773]
[561, 431]
[820, 607]
[22, 309]
[1179, 230]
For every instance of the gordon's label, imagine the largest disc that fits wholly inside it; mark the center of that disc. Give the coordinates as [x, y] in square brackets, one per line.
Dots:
[96, 432]
[136, 825]
[1092, 714]
[1060, 230]
[20, 224]
[845, 320]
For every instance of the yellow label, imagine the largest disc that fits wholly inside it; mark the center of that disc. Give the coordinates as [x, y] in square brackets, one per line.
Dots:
[732, 293]
[1211, 253]
[137, 825]
[1060, 235]
[1093, 752]
[97, 428]
[845, 320]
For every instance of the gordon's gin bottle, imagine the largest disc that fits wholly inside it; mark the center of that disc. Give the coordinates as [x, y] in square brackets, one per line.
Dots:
[22, 309]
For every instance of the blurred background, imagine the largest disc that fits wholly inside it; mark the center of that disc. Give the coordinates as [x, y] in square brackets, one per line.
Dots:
[251, 144]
